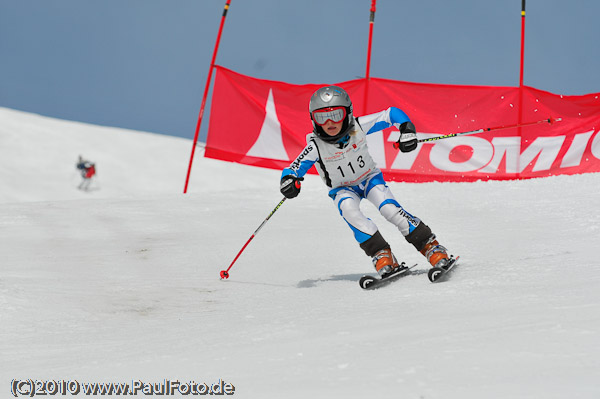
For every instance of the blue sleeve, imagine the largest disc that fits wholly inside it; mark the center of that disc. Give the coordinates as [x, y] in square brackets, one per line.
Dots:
[382, 120]
[300, 166]
[398, 116]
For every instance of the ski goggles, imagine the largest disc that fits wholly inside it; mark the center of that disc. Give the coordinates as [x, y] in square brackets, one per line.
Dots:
[334, 114]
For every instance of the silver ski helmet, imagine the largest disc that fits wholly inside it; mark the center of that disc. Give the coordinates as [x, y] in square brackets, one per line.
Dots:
[331, 103]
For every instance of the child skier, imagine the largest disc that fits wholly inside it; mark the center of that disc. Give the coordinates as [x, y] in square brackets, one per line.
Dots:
[337, 147]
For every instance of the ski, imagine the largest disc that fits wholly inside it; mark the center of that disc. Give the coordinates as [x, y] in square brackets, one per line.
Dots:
[439, 274]
[369, 282]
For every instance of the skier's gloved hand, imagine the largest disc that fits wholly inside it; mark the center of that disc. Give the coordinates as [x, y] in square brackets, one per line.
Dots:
[290, 186]
[408, 137]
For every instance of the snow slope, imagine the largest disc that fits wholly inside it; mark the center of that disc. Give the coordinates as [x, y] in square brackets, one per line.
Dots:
[121, 283]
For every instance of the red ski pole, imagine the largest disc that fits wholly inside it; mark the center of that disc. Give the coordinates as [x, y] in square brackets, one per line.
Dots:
[225, 273]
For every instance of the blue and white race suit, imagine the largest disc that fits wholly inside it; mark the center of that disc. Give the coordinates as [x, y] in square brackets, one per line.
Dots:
[352, 174]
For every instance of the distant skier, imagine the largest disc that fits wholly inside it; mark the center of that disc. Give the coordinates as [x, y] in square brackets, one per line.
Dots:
[337, 147]
[87, 170]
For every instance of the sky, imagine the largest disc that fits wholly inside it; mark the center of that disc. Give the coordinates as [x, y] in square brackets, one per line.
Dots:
[143, 64]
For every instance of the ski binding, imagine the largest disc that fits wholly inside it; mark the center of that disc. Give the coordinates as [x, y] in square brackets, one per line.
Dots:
[438, 274]
[369, 282]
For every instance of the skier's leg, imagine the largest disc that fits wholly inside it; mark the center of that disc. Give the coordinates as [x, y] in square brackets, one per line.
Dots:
[347, 202]
[425, 242]
[412, 228]
[380, 195]
[365, 231]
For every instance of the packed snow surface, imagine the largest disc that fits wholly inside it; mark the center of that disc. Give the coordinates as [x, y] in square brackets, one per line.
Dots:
[121, 283]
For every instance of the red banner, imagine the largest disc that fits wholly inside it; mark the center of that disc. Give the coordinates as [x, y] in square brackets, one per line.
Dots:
[264, 123]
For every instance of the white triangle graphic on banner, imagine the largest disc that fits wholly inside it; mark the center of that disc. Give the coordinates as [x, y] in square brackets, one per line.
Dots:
[269, 143]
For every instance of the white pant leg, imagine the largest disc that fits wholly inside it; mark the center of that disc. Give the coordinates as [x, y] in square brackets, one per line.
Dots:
[381, 196]
[348, 204]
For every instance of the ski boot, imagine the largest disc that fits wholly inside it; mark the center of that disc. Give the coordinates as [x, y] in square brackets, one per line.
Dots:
[385, 262]
[435, 253]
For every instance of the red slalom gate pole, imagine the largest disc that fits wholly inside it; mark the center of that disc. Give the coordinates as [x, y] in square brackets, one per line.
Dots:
[206, 87]
[522, 43]
[225, 273]
[522, 63]
[488, 129]
[368, 71]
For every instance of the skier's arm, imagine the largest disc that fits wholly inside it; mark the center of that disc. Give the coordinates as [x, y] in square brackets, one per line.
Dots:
[293, 174]
[382, 120]
[303, 162]
[392, 117]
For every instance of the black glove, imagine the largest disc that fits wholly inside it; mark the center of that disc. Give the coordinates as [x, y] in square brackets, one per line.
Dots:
[408, 137]
[290, 186]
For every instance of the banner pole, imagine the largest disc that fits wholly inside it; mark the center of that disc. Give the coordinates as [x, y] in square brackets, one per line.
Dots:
[522, 42]
[368, 72]
[522, 63]
[206, 87]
